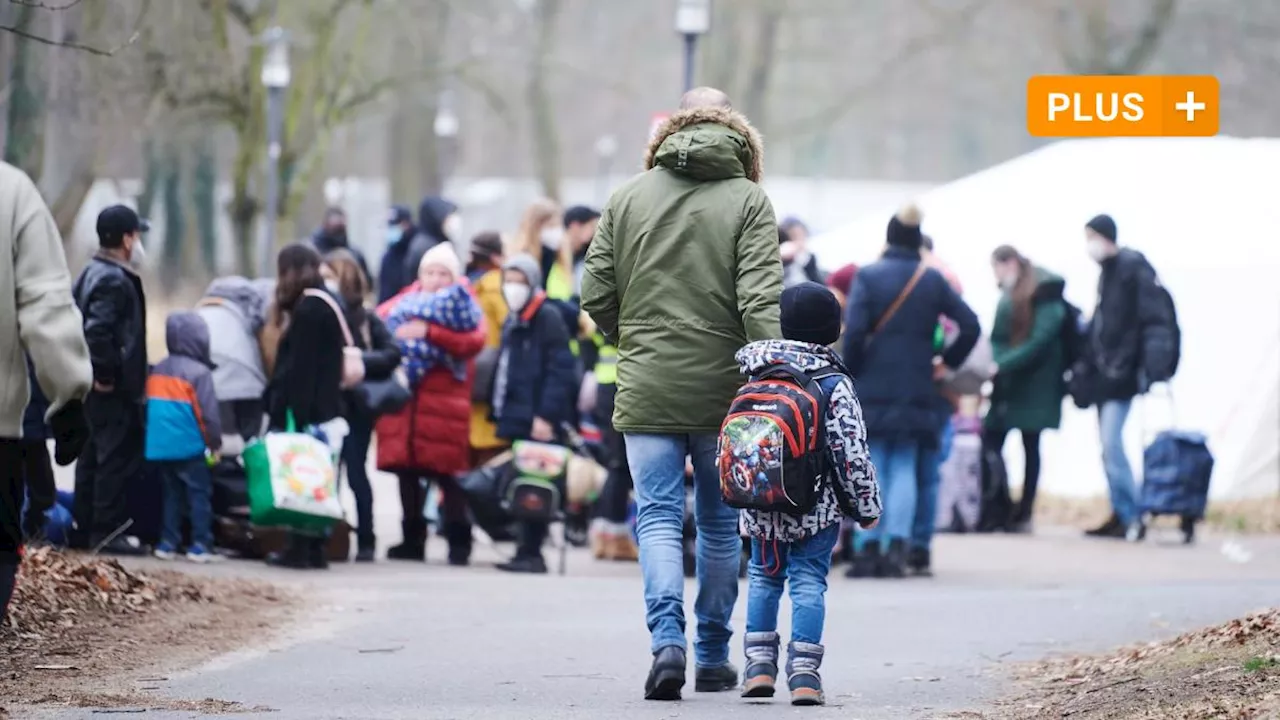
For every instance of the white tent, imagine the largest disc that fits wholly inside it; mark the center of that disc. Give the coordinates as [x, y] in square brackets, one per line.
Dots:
[1206, 212]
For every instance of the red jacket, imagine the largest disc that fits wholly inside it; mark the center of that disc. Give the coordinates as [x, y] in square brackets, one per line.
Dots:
[432, 433]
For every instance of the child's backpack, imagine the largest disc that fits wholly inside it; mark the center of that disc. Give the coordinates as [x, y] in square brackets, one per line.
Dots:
[772, 451]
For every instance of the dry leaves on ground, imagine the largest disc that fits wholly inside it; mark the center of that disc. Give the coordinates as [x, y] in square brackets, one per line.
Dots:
[87, 632]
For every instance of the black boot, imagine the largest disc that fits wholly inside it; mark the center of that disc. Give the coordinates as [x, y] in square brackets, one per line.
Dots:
[414, 546]
[666, 675]
[317, 555]
[293, 556]
[1112, 528]
[715, 679]
[866, 562]
[894, 562]
[366, 547]
[920, 562]
[458, 535]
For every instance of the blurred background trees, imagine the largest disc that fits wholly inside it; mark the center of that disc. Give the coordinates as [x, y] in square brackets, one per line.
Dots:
[419, 91]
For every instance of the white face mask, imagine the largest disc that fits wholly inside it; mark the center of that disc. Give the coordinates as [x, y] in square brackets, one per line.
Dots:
[1008, 281]
[552, 238]
[516, 295]
[1098, 249]
[453, 226]
[333, 287]
[138, 254]
[394, 233]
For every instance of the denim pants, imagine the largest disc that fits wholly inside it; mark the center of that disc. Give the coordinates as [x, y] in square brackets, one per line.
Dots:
[187, 490]
[928, 478]
[657, 466]
[895, 461]
[1124, 492]
[803, 565]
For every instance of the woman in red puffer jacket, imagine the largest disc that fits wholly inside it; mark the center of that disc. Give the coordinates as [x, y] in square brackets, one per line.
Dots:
[429, 439]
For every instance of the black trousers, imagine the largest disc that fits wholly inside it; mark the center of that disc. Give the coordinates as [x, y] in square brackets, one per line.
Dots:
[12, 494]
[243, 417]
[110, 464]
[616, 494]
[993, 440]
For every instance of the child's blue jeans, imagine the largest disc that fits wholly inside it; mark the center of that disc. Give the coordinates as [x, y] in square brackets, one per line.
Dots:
[188, 490]
[806, 564]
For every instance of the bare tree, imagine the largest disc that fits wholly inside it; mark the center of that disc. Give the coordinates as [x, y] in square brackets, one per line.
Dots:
[1093, 41]
[545, 133]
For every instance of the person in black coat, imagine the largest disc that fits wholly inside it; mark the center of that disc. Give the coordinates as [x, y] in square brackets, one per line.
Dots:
[37, 466]
[534, 388]
[892, 316]
[1133, 341]
[438, 222]
[381, 355]
[111, 299]
[307, 375]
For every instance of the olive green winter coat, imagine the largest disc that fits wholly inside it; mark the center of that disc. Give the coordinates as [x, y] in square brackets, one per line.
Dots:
[1028, 388]
[684, 270]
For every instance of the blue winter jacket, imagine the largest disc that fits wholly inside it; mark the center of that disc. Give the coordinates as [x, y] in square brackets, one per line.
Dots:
[893, 370]
[535, 375]
[182, 408]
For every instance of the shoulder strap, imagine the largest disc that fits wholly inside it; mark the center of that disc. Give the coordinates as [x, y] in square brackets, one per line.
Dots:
[902, 297]
[342, 319]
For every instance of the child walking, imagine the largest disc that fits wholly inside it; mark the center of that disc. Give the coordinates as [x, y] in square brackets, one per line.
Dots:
[182, 425]
[798, 548]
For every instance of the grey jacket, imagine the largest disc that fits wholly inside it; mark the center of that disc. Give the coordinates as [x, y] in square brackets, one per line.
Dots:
[37, 313]
[235, 309]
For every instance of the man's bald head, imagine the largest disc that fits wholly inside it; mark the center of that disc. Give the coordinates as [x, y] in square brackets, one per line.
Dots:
[705, 97]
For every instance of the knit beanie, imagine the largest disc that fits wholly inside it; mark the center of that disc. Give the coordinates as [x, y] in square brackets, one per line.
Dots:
[904, 228]
[443, 255]
[1104, 226]
[527, 266]
[810, 313]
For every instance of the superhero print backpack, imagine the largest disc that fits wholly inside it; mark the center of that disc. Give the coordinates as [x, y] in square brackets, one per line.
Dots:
[772, 451]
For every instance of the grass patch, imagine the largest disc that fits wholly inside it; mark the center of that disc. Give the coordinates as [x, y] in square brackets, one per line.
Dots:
[1259, 663]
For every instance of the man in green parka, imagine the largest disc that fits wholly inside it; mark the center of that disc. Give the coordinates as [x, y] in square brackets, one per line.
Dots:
[685, 270]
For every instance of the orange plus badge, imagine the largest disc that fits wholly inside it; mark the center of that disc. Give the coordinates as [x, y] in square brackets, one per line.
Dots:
[1122, 106]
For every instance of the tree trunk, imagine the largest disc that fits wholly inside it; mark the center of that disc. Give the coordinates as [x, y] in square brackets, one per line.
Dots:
[22, 139]
[546, 139]
[755, 99]
[204, 187]
[175, 221]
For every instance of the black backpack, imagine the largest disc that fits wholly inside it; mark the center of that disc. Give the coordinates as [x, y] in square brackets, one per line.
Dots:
[772, 452]
[1162, 340]
[1074, 335]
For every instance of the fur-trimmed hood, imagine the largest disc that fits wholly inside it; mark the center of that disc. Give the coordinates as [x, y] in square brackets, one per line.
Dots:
[705, 152]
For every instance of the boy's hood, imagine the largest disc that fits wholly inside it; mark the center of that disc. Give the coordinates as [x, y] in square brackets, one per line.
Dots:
[755, 357]
[186, 334]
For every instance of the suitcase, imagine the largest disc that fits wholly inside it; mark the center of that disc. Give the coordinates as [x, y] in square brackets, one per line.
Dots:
[1176, 469]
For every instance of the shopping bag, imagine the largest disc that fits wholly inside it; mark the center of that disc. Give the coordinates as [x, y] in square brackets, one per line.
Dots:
[293, 481]
[536, 490]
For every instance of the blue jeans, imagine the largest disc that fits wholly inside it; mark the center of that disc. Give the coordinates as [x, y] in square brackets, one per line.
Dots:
[1124, 492]
[657, 467]
[806, 564]
[895, 462]
[928, 478]
[187, 490]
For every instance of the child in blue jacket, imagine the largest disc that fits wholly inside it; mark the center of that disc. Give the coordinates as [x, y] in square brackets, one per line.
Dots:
[183, 427]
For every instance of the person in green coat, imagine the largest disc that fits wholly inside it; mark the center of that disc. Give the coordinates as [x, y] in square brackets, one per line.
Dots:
[684, 270]
[1026, 344]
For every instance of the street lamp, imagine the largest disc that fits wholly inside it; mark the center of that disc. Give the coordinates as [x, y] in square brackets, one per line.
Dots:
[606, 149]
[275, 78]
[693, 19]
[446, 131]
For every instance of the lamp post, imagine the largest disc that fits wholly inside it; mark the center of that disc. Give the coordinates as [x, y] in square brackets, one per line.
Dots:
[606, 149]
[275, 77]
[445, 128]
[693, 19]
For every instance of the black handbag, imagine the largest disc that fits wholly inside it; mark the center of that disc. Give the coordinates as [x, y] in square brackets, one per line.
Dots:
[486, 365]
[380, 397]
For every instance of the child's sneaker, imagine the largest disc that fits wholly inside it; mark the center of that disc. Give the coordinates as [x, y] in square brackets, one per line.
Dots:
[803, 661]
[165, 551]
[198, 554]
[761, 675]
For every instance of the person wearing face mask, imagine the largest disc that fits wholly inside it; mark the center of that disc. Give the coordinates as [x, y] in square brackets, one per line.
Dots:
[798, 264]
[438, 222]
[401, 232]
[1027, 346]
[113, 304]
[533, 387]
[1133, 340]
[332, 235]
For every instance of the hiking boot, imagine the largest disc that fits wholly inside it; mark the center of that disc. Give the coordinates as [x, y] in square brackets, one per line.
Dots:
[894, 563]
[666, 675]
[458, 535]
[1112, 528]
[803, 661]
[920, 562]
[715, 679]
[761, 675]
[525, 565]
[414, 547]
[866, 562]
[317, 557]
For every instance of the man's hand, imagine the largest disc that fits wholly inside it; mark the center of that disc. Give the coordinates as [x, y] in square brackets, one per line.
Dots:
[542, 430]
[869, 524]
[412, 330]
[103, 387]
[70, 432]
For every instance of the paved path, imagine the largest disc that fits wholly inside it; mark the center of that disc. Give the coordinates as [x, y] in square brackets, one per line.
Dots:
[395, 641]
